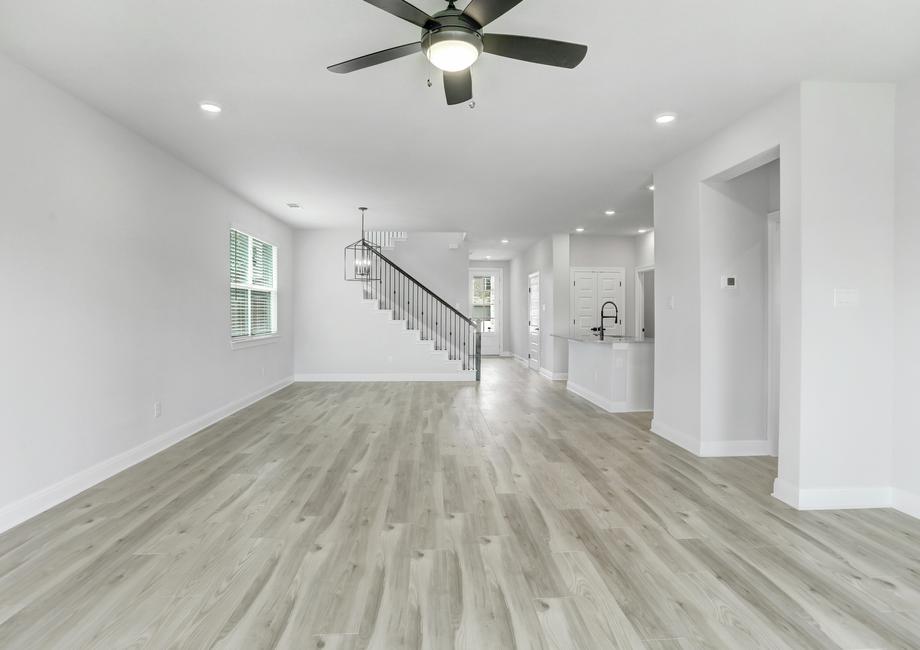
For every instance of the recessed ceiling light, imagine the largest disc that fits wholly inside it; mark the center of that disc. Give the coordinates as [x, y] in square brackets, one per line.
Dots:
[651, 188]
[610, 213]
[505, 241]
[642, 231]
[666, 118]
[210, 107]
[293, 206]
[488, 257]
[579, 230]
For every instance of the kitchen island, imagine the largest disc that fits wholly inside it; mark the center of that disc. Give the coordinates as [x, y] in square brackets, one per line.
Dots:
[616, 374]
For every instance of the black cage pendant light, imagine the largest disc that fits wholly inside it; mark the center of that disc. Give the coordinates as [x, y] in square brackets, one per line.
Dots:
[359, 264]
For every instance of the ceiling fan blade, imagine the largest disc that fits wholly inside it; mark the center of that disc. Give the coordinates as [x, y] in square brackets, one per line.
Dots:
[404, 10]
[535, 50]
[458, 86]
[485, 11]
[376, 58]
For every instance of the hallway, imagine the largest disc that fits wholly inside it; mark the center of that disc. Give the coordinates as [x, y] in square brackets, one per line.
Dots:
[500, 515]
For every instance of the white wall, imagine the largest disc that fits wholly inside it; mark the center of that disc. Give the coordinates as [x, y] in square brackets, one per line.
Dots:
[645, 249]
[115, 264]
[604, 250]
[507, 325]
[562, 290]
[906, 443]
[429, 258]
[847, 238]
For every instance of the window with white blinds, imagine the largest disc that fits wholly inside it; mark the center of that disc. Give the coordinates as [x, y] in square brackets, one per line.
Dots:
[253, 287]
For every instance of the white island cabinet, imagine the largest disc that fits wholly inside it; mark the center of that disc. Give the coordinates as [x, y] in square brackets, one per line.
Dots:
[616, 374]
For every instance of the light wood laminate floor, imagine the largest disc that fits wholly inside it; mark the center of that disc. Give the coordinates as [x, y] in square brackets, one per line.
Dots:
[505, 515]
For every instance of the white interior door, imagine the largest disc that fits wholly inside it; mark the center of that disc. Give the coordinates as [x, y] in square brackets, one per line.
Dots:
[584, 302]
[610, 286]
[533, 320]
[485, 302]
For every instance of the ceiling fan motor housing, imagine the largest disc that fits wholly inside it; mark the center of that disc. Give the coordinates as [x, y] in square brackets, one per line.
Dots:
[451, 25]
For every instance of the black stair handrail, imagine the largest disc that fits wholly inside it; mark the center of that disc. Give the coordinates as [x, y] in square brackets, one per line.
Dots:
[374, 249]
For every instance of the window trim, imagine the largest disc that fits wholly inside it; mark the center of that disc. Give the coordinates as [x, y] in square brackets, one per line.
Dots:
[251, 340]
[243, 342]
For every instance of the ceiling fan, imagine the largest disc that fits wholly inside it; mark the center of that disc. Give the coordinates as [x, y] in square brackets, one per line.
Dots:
[453, 40]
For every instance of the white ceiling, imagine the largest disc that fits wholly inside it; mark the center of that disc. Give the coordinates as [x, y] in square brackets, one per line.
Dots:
[545, 149]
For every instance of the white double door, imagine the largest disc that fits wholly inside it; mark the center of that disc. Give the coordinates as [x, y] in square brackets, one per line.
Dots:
[591, 288]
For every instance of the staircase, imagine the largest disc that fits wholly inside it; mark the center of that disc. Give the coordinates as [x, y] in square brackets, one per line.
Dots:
[407, 304]
[385, 239]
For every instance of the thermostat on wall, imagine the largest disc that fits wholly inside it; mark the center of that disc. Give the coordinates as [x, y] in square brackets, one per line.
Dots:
[729, 282]
[846, 297]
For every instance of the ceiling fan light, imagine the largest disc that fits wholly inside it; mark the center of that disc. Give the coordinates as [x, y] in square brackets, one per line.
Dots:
[452, 55]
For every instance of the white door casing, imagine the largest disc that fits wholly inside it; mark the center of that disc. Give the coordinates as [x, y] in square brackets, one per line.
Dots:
[533, 320]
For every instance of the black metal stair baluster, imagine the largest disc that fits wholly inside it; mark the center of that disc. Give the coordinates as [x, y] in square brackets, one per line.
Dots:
[463, 358]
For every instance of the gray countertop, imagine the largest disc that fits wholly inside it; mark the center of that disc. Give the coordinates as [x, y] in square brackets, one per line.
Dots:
[608, 339]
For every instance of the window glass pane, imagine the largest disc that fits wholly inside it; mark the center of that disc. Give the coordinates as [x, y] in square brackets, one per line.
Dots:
[239, 257]
[263, 264]
[484, 303]
[239, 312]
[261, 305]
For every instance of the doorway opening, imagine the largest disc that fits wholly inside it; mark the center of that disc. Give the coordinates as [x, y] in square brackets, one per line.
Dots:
[487, 308]
[645, 302]
[740, 303]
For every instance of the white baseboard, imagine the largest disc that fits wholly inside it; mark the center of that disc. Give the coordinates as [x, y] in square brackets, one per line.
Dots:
[554, 376]
[786, 492]
[726, 448]
[847, 498]
[522, 360]
[464, 376]
[602, 402]
[711, 448]
[833, 498]
[598, 400]
[676, 436]
[907, 502]
[27, 507]
[506, 354]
